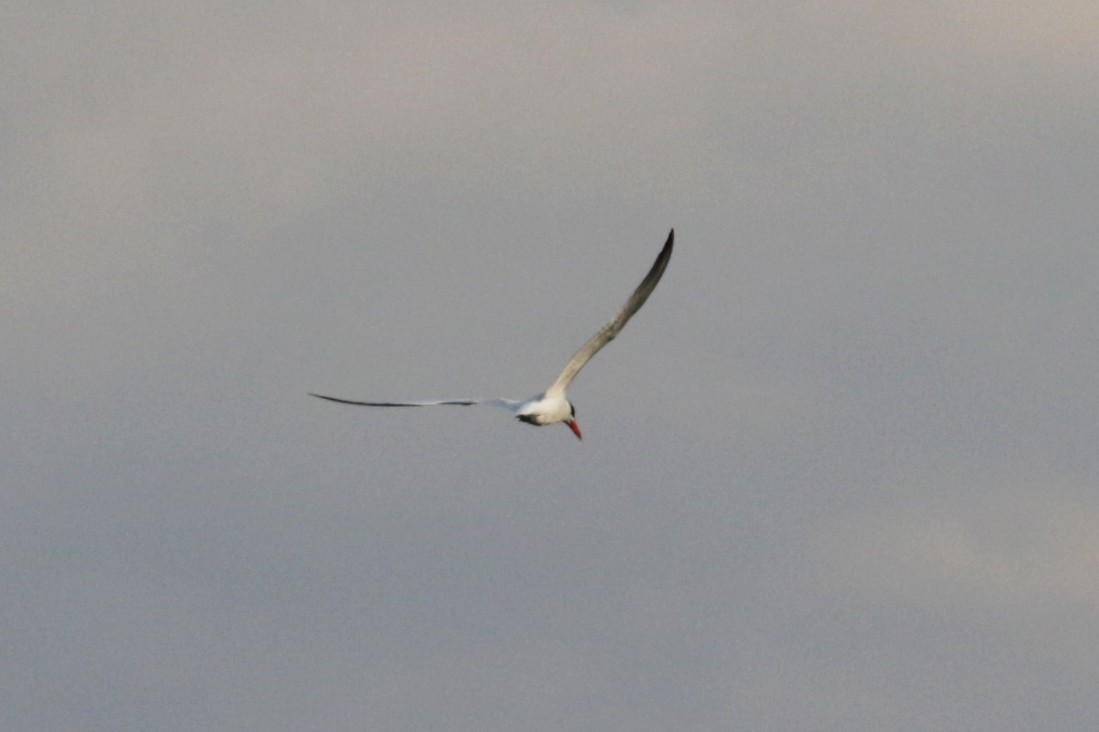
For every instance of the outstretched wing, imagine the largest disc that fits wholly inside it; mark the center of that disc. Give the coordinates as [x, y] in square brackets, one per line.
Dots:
[504, 403]
[607, 333]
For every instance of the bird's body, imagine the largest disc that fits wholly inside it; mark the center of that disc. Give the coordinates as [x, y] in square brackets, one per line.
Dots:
[546, 409]
[552, 406]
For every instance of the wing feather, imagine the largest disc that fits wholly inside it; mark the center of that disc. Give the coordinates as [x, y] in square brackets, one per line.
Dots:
[505, 403]
[607, 333]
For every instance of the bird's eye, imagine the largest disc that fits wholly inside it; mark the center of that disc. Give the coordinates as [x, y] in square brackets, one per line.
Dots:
[573, 410]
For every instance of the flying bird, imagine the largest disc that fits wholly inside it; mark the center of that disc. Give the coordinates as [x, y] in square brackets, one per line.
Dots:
[552, 406]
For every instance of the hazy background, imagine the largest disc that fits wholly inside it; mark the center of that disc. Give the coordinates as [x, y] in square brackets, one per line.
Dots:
[840, 474]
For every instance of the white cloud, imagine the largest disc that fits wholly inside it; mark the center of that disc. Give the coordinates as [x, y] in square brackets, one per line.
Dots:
[1007, 542]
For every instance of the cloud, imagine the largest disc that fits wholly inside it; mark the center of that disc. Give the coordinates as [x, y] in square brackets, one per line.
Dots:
[1013, 543]
[841, 469]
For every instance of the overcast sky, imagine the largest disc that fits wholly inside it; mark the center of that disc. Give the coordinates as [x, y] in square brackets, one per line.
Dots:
[839, 474]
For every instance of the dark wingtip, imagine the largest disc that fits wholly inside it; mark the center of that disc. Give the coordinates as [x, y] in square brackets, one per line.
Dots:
[668, 244]
[666, 251]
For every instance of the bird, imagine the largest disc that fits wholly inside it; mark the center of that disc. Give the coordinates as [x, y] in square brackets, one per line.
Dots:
[552, 406]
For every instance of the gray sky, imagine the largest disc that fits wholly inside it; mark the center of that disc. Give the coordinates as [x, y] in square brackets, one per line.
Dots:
[839, 474]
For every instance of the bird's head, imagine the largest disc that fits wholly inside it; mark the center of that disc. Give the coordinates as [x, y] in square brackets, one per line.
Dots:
[572, 423]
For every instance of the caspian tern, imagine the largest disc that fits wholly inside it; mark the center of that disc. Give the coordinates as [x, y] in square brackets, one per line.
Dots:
[551, 406]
